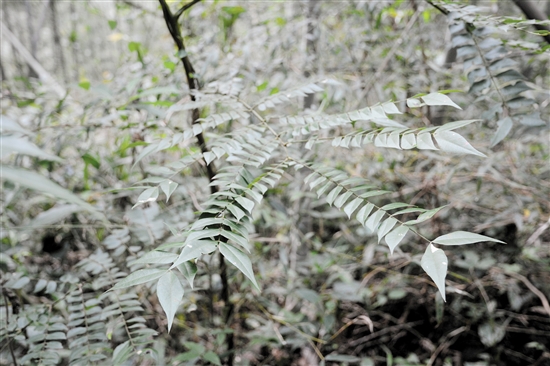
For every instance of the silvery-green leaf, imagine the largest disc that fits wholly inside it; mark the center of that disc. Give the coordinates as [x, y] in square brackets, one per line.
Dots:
[149, 195]
[439, 99]
[195, 249]
[531, 120]
[385, 227]
[434, 262]
[170, 293]
[54, 215]
[246, 203]
[463, 237]
[352, 206]
[364, 213]
[452, 142]
[41, 184]
[139, 277]
[19, 145]
[239, 260]
[504, 128]
[188, 270]
[424, 141]
[157, 257]
[168, 187]
[396, 236]
[373, 220]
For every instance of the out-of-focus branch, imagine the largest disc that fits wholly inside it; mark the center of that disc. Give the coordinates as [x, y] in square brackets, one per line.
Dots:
[43, 75]
[531, 11]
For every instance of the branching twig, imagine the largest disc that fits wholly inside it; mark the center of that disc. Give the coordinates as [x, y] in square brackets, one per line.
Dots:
[184, 8]
[194, 85]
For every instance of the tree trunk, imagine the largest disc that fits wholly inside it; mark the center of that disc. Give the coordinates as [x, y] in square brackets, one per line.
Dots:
[57, 42]
[74, 40]
[2, 72]
[32, 40]
[19, 65]
[311, 45]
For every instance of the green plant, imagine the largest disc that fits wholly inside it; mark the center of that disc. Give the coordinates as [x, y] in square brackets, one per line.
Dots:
[256, 228]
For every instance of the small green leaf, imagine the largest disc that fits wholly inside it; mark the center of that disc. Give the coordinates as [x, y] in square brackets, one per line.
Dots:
[457, 124]
[40, 285]
[439, 99]
[396, 236]
[149, 195]
[139, 277]
[425, 216]
[364, 213]
[352, 206]
[424, 141]
[157, 257]
[168, 187]
[463, 237]
[189, 271]
[237, 212]
[373, 220]
[195, 249]
[121, 353]
[239, 260]
[42, 184]
[212, 358]
[339, 202]
[85, 84]
[89, 159]
[414, 103]
[385, 228]
[531, 120]
[434, 262]
[504, 127]
[112, 24]
[18, 145]
[236, 238]
[333, 194]
[391, 108]
[245, 203]
[393, 206]
[170, 293]
[54, 215]
[452, 142]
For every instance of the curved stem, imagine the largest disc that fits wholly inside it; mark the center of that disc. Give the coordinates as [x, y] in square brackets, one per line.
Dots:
[172, 24]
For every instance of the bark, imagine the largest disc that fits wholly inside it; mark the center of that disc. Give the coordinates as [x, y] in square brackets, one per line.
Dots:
[42, 74]
[2, 72]
[19, 65]
[311, 45]
[32, 40]
[531, 11]
[74, 45]
[57, 41]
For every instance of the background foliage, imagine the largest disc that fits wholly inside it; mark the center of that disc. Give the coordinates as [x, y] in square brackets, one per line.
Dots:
[102, 178]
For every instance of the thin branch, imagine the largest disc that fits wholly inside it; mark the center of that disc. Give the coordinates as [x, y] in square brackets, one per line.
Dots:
[32, 62]
[185, 7]
[531, 11]
[530, 286]
[441, 9]
[175, 31]
[136, 6]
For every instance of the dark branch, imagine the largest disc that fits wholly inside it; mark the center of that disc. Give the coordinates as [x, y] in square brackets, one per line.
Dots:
[185, 7]
[532, 12]
[175, 32]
